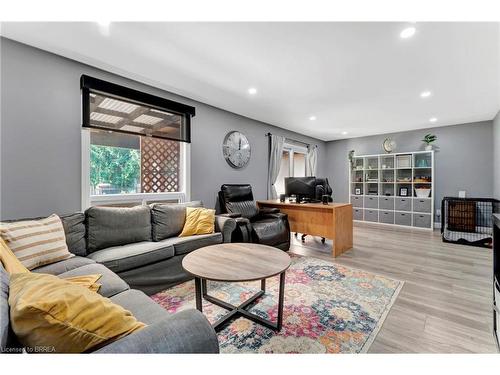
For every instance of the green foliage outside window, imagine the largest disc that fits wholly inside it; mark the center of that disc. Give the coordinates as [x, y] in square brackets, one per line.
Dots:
[117, 167]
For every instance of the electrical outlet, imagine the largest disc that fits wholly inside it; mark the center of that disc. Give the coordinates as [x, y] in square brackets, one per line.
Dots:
[438, 212]
[461, 194]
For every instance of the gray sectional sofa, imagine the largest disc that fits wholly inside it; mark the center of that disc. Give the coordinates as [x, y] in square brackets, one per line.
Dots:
[135, 248]
[141, 244]
[184, 332]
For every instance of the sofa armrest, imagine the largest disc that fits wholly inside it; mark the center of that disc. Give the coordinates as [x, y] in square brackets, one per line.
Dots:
[185, 332]
[225, 225]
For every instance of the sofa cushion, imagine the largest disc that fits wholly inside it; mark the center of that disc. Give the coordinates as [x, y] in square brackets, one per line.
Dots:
[111, 283]
[74, 228]
[123, 258]
[115, 226]
[183, 245]
[140, 305]
[64, 265]
[167, 219]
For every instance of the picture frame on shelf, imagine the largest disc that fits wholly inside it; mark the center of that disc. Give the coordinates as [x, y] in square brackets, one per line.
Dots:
[403, 191]
[357, 191]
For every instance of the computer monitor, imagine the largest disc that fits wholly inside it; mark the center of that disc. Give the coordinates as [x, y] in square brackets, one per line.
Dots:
[304, 188]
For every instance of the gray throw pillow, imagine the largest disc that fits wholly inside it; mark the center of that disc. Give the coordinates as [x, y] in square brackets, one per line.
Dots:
[115, 226]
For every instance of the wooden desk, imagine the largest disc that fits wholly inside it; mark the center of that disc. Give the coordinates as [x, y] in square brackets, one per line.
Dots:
[332, 221]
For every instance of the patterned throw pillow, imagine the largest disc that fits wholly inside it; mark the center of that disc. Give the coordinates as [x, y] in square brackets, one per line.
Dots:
[36, 242]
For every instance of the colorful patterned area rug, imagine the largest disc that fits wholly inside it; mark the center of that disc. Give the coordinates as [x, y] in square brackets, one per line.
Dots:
[328, 309]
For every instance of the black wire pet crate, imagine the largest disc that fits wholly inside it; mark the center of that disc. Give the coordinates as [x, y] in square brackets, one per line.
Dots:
[468, 221]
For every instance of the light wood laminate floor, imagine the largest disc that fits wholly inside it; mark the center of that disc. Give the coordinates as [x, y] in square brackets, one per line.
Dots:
[445, 304]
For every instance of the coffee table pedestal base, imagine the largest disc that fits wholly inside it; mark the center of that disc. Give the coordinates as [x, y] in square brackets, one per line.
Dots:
[242, 309]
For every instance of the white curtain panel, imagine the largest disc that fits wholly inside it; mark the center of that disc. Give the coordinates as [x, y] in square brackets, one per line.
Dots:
[275, 156]
[312, 161]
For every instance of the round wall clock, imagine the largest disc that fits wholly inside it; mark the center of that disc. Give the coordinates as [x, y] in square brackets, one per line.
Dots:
[236, 149]
[389, 145]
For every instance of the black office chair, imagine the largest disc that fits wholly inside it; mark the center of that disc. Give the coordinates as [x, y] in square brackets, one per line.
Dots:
[322, 188]
[266, 226]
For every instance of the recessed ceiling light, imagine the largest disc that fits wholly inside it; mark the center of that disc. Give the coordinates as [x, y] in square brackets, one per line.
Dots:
[344, 133]
[408, 32]
[425, 94]
[252, 91]
[312, 118]
[104, 27]
[433, 119]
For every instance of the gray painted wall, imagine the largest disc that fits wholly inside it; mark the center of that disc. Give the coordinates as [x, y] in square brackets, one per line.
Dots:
[496, 156]
[41, 143]
[463, 158]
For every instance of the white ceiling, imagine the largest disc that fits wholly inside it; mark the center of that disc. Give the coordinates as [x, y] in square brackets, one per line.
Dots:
[360, 78]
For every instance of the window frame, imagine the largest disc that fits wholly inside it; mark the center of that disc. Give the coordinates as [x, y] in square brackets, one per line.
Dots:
[88, 200]
[292, 149]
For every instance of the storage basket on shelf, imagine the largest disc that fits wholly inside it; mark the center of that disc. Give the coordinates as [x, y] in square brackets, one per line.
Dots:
[468, 221]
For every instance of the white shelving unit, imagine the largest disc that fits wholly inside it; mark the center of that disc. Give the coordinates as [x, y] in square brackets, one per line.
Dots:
[377, 186]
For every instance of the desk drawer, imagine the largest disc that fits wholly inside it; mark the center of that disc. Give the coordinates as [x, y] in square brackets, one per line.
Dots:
[357, 214]
[357, 201]
[371, 215]
[386, 217]
[386, 203]
[402, 218]
[371, 202]
[403, 204]
[422, 205]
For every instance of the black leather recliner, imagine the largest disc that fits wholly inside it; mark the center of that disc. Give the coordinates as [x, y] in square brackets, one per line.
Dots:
[266, 226]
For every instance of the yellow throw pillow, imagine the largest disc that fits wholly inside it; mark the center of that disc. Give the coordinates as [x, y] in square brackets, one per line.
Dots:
[199, 220]
[9, 260]
[87, 281]
[12, 265]
[51, 312]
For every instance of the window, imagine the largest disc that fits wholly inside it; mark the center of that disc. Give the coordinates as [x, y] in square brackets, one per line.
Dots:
[293, 164]
[132, 153]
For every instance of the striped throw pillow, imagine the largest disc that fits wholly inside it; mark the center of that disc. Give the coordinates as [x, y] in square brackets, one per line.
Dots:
[36, 242]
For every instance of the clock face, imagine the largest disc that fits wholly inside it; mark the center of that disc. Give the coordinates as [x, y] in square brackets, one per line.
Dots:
[389, 145]
[236, 149]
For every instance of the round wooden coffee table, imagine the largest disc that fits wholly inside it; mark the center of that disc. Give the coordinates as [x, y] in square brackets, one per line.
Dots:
[236, 262]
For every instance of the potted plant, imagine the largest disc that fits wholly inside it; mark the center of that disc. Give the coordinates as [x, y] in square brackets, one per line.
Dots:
[428, 140]
[351, 159]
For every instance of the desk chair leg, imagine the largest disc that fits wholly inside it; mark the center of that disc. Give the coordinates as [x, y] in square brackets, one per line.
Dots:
[304, 237]
[323, 240]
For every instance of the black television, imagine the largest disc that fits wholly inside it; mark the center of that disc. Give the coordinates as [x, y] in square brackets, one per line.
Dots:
[304, 188]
